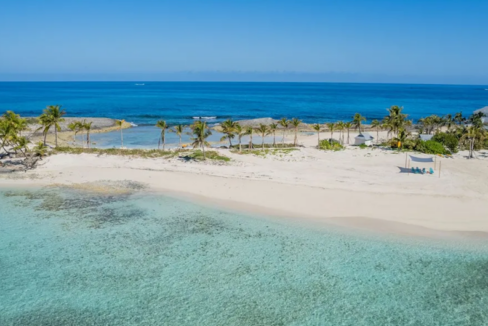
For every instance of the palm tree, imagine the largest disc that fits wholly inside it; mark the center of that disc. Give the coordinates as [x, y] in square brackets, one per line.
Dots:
[331, 126]
[46, 123]
[458, 118]
[471, 135]
[228, 129]
[40, 149]
[120, 124]
[87, 126]
[178, 129]
[53, 116]
[15, 121]
[73, 126]
[272, 129]
[202, 132]
[357, 119]
[317, 128]
[163, 126]
[21, 144]
[250, 132]
[375, 124]
[240, 132]
[263, 130]
[448, 121]
[348, 126]
[295, 123]
[340, 126]
[285, 124]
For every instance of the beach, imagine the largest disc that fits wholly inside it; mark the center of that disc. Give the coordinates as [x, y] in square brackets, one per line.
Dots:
[354, 188]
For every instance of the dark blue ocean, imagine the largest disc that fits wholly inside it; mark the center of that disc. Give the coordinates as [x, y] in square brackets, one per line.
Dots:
[178, 102]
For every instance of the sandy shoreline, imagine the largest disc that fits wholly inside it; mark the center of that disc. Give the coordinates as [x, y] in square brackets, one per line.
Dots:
[356, 187]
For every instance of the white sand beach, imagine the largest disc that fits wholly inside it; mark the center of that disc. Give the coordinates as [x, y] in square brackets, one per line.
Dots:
[355, 187]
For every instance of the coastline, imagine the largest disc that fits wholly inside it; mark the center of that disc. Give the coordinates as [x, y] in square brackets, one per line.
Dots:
[355, 188]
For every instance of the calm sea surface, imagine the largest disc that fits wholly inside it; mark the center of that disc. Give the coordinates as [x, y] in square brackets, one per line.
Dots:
[72, 257]
[178, 102]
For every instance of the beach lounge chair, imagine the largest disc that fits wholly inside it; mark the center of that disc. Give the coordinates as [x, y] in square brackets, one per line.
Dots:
[417, 170]
[423, 171]
[431, 171]
[413, 170]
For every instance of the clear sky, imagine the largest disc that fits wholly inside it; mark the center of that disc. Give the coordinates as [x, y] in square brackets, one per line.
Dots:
[349, 40]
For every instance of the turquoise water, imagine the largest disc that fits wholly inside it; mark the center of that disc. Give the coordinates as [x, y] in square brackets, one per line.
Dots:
[72, 257]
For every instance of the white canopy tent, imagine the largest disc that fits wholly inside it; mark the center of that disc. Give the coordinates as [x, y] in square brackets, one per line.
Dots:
[410, 158]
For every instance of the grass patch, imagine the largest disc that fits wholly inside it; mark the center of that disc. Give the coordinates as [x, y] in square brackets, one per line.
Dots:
[209, 155]
[145, 153]
[272, 151]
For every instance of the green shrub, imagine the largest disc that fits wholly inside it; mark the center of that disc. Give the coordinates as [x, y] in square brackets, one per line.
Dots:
[325, 144]
[448, 140]
[430, 147]
[363, 146]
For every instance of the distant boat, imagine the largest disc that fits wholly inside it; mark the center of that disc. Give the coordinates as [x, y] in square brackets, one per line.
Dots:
[205, 118]
[139, 84]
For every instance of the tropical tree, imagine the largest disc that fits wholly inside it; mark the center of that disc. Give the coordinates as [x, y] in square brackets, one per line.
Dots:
[228, 129]
[357, 120]
[272, 129]
[73, 126]
[15, 121]
[348, 126]
[240, 132]
[120, 124]
[263, 130]
[317, 127]
[402, 135]
[178, 129]
[295, 123]
[471, 135]
[51, 117]
[40, 149]
[201, 131]
[250, 131]
[458, 118]
[161, 124]
[331, 126]
[21, 145]
[340, 126]
[87, 126]
[449, 121]
[11, 126]
[375, 124]
[285, 124]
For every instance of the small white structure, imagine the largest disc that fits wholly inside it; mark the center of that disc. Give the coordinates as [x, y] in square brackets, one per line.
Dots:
[425, 137]
[363, 138]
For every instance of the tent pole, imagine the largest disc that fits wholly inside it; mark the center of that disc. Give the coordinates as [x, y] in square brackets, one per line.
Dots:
[440, 165]
[435, 163]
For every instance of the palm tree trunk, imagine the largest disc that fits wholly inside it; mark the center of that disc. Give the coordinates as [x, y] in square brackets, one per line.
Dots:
[56, 136]
[283, 139]
[377, 136]
[88, 138]
[240, 148]
[262, 142]
[203, 149]
[348, 136]
[163, 138]
[296, 131]
[121, 138]
[45, 136]
[180, 139]
[250, 141]
[230, 143]
[274, 138]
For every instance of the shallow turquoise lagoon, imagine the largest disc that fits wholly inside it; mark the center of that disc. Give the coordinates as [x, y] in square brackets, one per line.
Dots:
[73, 257]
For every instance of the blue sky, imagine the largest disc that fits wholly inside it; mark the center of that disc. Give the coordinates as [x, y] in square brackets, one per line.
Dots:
[351, 40]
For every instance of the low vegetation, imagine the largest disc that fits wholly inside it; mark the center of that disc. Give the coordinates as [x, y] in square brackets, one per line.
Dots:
[268, 151]
[331, 145]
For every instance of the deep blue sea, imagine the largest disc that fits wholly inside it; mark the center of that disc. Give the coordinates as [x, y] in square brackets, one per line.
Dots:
[178, 102]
